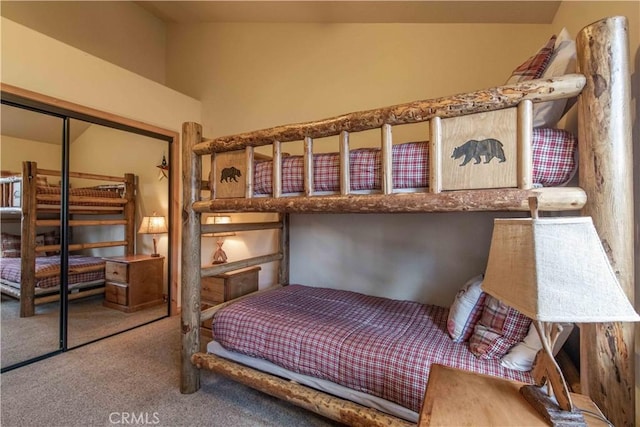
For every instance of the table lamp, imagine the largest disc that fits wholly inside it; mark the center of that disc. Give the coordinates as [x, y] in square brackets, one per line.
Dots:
[153, 225]
[219, 256]
[554, 270]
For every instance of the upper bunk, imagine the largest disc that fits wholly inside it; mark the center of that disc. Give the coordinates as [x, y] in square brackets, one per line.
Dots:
[479, 157]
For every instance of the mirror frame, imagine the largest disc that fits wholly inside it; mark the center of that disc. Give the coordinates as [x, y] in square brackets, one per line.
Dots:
[25, 97]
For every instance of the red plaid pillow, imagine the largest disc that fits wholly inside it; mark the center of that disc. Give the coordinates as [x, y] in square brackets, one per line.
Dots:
[534, 67]
[500, 327]
[9, 245]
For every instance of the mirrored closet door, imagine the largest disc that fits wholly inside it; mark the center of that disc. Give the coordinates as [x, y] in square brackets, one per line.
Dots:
[85, 219]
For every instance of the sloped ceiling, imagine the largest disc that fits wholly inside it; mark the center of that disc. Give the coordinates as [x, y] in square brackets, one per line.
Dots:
[453, 11]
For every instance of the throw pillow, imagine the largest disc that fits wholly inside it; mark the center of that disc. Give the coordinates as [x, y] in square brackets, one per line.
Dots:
[465, 310]
[563, 61]
[500, 327]
[9, 245]
[521, 356]
[535, 66]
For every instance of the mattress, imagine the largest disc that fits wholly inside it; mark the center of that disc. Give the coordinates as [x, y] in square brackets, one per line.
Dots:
[109, 192]
[553, 164]
[48, 268]
[373, 345]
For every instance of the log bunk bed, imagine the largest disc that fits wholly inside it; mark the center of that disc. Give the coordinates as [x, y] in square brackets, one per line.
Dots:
[604, 192]
[32, 273]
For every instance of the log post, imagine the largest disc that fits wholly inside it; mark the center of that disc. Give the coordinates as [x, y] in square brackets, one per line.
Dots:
[28, 239]
[283, 269]
[190, 315]
[130, 212]
[606, 170]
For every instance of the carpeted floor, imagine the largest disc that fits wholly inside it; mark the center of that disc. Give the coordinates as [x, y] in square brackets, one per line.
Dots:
[28, 337]
[133, 378]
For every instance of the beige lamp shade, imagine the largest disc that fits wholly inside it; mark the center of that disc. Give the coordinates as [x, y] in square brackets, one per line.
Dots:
[555, 270]
[153, 225]
[220, 219]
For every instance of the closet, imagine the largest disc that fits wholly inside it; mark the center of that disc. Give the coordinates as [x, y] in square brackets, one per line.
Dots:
[77, 187]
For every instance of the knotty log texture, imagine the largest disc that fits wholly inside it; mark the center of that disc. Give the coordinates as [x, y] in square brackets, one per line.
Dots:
[413, 112]
[28, 239]
[549, 199]
[329, 406]
[190, 315]
[606, 174]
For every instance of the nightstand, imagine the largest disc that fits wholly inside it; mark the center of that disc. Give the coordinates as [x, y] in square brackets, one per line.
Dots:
[133, 282]
[461, 398]
[225, 287]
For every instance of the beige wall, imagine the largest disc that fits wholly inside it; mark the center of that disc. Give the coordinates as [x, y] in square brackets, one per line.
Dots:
[250, 76]
[117, 31]
[13, 151]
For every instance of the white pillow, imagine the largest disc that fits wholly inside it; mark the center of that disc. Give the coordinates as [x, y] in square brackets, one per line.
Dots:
[465, 310]
[563, 61]
[521, 356]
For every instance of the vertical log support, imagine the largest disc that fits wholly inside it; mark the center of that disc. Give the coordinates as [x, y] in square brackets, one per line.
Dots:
[345, 166]
[250, 172]
[190, 315]
[525, 144]
[607, 371]
[130, 212]
[387, 159]
[277, 170]
[28, 239]
[283, 271]
[435, 156]
[308, 166]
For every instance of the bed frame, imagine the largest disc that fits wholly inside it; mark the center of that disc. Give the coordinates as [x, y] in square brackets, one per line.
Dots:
[604, 193]
[43, 210]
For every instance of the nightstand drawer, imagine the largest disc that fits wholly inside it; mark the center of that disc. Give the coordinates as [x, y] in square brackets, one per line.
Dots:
[212, 289]
[115, 293]
[242, 284]
[116, 271]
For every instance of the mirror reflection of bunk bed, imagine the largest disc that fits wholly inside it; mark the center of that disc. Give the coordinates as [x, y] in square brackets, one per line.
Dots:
[30, 269]
[498, 114]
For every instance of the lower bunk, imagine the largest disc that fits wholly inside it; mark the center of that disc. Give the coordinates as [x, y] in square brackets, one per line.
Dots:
[373, 351]
[86, 277]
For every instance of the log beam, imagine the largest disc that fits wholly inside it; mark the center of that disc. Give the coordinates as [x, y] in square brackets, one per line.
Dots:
[606, 174]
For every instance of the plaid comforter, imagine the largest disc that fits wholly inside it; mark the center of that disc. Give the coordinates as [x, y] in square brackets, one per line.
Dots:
[553, 164]
[375, 345]
[10, 270]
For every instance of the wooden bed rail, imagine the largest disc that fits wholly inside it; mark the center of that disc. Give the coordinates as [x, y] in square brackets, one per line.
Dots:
[492, 99]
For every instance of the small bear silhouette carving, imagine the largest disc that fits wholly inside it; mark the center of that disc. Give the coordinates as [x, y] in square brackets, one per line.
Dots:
[473, 150]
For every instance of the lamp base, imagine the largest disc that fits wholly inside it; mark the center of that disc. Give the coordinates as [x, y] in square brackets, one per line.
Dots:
[154, 255]
[550, 410]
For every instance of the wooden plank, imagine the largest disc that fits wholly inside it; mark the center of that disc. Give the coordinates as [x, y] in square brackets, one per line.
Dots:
[414, 112]
[497, 200]
[80, 222]
[230, 180]
[190, 314]
[51, 172]
[606, 174]
[479, 151]
[525, 144]
[341, 410]
[240, 226]
[216, 269]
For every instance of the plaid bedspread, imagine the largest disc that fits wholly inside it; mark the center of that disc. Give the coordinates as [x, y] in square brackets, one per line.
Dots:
[111, 193]
[375, 345]
[10, 270]
[553, 164]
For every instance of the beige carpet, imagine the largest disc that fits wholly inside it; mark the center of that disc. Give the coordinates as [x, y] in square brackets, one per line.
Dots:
[134, 376]
[28, 337]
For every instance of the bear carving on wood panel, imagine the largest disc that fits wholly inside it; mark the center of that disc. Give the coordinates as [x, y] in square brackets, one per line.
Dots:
[229, 174]
[473, 149]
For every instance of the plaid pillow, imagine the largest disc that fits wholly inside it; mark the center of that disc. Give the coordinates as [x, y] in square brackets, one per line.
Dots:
[500, 327]
[9, 245]
[534, 67]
